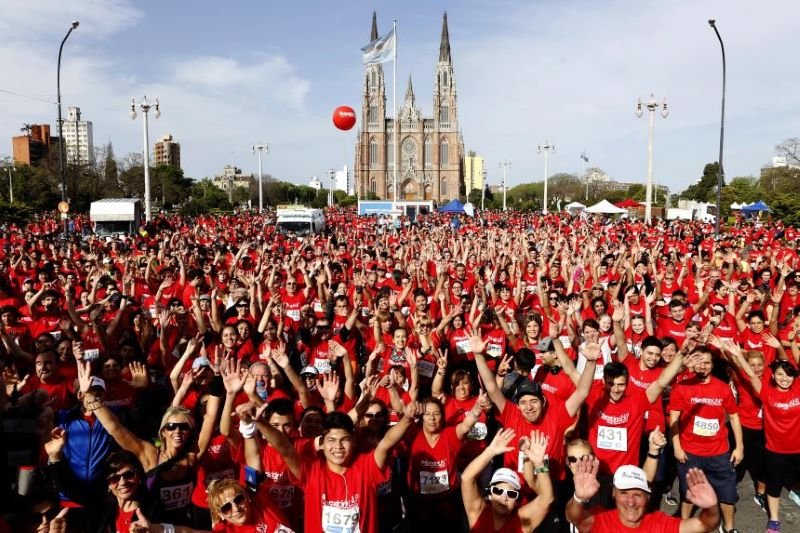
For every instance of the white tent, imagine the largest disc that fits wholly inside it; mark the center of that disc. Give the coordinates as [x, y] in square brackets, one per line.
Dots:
[606, 207]
[736, 206]
[574, 206]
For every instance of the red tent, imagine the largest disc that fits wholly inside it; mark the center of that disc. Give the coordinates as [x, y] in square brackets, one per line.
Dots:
[625, 204]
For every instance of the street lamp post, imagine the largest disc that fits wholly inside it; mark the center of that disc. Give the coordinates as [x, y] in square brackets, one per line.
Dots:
[651, 105]
[332, 175]
[720, 171]
[504, 164]
[546, 148]
[483, 188]
[585, 159]
[145, 106]
[261, 147]
[10, 183]
[74, 25]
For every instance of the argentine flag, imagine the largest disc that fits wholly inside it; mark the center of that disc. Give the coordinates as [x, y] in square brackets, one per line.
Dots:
[380, 50]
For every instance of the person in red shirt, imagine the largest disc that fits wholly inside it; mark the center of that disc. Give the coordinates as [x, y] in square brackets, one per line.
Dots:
[675, 324]
[498, 512]
[779, 390]
[340, 485]
[698, 409]
[235, 510]
[631, 495]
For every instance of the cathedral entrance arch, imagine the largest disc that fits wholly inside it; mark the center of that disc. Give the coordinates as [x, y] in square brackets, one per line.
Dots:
[410, 190]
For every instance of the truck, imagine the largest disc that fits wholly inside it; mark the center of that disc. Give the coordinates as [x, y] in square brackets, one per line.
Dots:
[300, 220]
[115, 216]
[692, 210]
[393, 210]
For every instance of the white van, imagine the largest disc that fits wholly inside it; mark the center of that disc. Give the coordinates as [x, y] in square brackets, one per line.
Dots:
[115, 216]
[300, 220]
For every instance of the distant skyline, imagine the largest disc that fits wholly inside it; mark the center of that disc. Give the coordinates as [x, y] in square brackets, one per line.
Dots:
[233, 74]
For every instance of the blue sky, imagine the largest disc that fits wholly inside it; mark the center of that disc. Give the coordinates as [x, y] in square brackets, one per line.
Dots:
[230, 74]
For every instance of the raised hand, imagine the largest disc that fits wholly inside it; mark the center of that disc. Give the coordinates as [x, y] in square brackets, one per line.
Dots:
[139, 378]
[537, 447]
[84, 376]
[413, 410]
[585, 477]
[618, 315]
[232, 375]
[55, 444]
[501, 442]
[591, 351]
[477, 344]
[330, 386]
[657, 440]
[699, 491]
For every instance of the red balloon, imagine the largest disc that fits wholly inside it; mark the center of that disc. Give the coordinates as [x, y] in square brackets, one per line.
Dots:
[344, 117]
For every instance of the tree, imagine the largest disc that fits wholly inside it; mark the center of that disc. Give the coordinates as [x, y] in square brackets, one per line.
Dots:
[778, 179]
[474, 197]
[206, 197]
[790, 149]
[742, 189]
[705, 189]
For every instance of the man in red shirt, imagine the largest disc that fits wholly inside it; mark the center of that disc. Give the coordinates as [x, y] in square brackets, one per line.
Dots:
[341, 485]
[675, 324]
[631, 494]
[697, 413]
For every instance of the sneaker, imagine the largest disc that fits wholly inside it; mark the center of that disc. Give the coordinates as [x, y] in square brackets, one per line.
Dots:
[761, 501]
[794, 495]
[773, 526]
[671, 499]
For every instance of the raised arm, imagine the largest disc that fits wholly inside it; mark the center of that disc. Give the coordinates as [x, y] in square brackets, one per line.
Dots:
[474, 502]
[591, 352]
[393, 436]
[538, 477]
[478, 347]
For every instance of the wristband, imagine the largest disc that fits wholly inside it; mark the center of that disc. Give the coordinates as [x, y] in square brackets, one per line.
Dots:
[541, 469]
[654, 455]
[581, 502]
[247, 429]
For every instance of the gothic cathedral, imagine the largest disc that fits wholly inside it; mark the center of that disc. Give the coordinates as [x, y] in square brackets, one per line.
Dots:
[431, 151]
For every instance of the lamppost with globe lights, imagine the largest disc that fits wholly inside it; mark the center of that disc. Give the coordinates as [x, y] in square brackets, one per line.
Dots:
[720, 170]
[145, 106]
[74, 25]
[651, 105]
[546, 148]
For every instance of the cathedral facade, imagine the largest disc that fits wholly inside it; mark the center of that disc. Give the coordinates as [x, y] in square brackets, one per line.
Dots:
[430, 155]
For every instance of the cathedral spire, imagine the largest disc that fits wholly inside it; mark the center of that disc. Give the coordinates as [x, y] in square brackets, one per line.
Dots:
[410, 91]
[444, 46]
[374, 34]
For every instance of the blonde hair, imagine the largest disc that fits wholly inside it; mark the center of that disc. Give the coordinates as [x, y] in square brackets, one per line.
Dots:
[176, 411]
[216, 490]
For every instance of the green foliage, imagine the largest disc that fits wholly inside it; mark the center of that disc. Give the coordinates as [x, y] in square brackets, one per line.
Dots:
[15, 213]
[706, 189]
[742, 189]
[474, 197]
[206, 197]
[786, 206]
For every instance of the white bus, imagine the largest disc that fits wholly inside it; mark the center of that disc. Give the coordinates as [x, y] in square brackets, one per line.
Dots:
[300, 220]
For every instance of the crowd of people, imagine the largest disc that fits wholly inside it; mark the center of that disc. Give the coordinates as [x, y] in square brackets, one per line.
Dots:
[504, 372]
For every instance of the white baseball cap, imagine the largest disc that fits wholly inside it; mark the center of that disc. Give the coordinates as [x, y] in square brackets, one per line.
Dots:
[97, 382]
[505, 475]
[630, 477]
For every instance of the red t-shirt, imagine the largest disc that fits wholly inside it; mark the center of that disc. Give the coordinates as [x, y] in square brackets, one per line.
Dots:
[781, 415]
[432, 469]
[553, 422]
[340, 500]
[607, 521]
[268, 519]
[750, 414]
[642, 379]
[485, 522]
[703, 407]
[615, 428]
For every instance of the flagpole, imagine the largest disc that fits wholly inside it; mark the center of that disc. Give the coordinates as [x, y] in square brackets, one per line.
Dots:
[396, 123]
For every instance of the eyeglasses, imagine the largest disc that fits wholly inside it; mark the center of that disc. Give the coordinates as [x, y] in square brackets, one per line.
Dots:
[173, 426]
[227, 507]
[511, 494]
[127, 475]
[323, 326]
[370, 416]
[572, 459]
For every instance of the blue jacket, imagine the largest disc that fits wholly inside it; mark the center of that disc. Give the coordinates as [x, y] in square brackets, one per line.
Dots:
[86, 448]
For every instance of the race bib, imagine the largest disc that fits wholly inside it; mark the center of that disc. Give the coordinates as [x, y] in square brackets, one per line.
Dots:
[317, 307]
[565, 342]
[463, 346]
[294, 314]
[705, 427]
[176, 496]
[477, 432]
[494, 350]
[340, 520]
[521, 458]
[282, 495]
[433, 482]
[612, 438]
[323, 365]
[426, 368]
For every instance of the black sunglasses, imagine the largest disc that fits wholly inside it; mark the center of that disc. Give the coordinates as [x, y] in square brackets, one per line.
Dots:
[239, 500]
[499, 491]
[572, 459]
[370, 416]
[128, 475]
[172, 426]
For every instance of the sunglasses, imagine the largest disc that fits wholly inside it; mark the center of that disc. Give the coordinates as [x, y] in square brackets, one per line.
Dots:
[172, 426]
[370, 416]
[572, 459]
[128, 475]
[511, 494]
[239, 500]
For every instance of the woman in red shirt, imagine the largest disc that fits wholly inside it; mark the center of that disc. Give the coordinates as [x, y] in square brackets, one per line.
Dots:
[779, 390]
[234, 510]
[432, 475]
